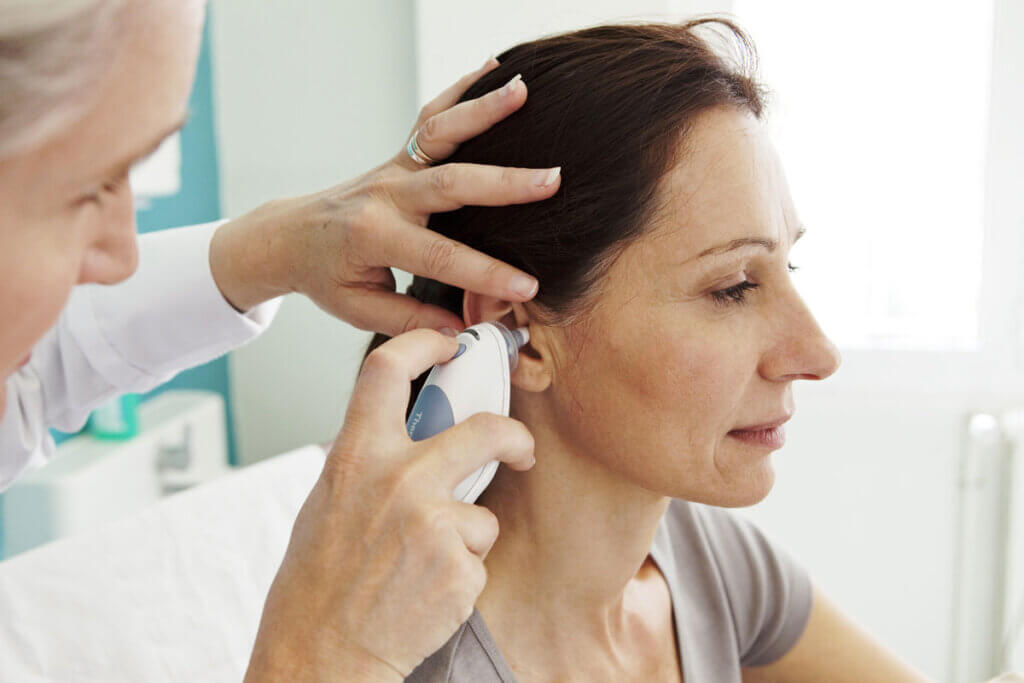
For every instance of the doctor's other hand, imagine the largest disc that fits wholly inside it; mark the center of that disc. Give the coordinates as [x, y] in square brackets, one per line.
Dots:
[383, 564]
[338, 246]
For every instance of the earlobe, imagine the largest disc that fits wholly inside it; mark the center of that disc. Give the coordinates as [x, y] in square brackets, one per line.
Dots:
[532, 373]
[533, 368]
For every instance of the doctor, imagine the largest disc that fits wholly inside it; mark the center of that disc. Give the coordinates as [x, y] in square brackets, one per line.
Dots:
[382, 565]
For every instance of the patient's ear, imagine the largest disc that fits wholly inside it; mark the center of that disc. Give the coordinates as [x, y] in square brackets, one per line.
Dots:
[533, 372]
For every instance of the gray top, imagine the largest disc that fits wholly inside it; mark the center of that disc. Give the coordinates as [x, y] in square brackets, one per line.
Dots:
[738, 600]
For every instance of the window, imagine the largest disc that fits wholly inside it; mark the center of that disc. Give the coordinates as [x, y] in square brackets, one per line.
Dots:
[880, 113]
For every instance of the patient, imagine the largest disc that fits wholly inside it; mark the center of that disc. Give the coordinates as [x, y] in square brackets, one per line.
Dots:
[666, 335]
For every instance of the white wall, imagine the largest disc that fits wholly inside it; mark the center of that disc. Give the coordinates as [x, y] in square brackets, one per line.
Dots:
[308, 94]
[449, 48]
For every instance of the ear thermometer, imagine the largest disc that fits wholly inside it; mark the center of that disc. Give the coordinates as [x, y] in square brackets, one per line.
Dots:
[475, 380]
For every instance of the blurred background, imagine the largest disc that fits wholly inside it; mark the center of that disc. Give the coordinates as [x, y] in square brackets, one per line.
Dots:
[900, 487]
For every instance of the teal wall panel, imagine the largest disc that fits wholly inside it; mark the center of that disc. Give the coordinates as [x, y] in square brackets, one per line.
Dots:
[198, 201]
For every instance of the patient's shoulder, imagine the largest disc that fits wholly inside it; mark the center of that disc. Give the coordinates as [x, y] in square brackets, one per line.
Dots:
[470, 655]
[764, 589]
[730, 545]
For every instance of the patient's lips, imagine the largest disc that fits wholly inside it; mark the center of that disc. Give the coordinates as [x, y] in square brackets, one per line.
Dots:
[771, 434]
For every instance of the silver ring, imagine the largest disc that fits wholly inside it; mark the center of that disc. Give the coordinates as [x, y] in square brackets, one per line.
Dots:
[417, 154]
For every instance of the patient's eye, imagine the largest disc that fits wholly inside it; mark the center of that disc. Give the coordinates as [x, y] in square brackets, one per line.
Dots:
[736, 294]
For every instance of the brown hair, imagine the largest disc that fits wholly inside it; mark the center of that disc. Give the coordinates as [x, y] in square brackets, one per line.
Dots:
[611, 105]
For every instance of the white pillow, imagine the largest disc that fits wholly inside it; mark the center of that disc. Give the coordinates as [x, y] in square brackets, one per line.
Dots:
[173, 593]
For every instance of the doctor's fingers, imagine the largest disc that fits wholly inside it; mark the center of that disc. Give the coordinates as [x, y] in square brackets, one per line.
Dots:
[441, 134]
[446, 100]
[459, 451]
[453, 93]
[376, 410]
[451, 186]
[390, 313]
[477, 526]
[424, 252]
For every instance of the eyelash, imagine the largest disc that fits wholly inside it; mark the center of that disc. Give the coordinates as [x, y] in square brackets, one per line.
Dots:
[737, 294]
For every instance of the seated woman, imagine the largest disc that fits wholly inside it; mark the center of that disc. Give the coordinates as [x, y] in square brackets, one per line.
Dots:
[664, 343]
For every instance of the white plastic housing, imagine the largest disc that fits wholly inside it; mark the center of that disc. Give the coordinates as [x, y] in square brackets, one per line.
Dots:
[475, 381]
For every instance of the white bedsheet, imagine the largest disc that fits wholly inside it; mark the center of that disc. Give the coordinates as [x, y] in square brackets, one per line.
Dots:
[171, 594]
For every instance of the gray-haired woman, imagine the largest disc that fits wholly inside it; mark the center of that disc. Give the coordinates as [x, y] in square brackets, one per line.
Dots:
[89, 87]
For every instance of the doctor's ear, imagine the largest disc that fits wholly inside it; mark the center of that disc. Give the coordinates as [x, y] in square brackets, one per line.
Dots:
[533, 372]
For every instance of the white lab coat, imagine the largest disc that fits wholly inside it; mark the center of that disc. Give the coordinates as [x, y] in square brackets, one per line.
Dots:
[126, 338]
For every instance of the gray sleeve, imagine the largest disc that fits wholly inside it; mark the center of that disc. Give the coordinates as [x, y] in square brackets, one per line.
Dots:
[769, 592]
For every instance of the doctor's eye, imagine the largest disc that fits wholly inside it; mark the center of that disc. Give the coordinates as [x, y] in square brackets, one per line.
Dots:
[105, 190]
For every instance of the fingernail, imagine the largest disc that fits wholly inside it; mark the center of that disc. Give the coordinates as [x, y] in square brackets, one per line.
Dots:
[525, 286]
[490, 61]
[545, 178]
[507, 89]
[447, 331]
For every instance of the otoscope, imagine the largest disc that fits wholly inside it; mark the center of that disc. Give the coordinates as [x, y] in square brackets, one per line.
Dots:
[475, 380]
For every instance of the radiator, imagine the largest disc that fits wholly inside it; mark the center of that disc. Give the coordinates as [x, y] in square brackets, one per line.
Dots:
[988, 599]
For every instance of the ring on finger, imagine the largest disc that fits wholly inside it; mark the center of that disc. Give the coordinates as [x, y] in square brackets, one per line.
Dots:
[416, 153]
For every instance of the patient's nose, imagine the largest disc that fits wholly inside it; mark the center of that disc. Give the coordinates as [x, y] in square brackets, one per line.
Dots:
[801, 349]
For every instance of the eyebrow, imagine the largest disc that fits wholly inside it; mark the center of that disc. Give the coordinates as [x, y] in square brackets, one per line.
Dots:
[768, 244]
[123, 167]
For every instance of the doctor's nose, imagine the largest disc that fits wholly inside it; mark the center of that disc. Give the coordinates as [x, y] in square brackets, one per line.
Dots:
[112, 255]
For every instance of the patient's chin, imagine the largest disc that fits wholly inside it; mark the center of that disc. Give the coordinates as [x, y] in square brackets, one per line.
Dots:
[753, 488]
[734, 490]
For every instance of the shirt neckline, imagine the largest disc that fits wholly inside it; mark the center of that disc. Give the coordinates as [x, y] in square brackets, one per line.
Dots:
[667, 567]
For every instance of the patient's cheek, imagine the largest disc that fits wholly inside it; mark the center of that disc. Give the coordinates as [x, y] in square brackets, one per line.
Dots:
[706, 377]
[593, 394]
[672, 370]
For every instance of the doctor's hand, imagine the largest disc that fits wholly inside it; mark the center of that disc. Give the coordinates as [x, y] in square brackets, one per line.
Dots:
[337, 246]
[383, 564]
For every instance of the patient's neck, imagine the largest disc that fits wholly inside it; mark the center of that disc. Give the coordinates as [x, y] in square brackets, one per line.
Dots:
[573, 535]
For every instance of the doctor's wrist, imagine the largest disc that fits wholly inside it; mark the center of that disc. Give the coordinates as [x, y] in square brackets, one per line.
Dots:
[244, 261]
